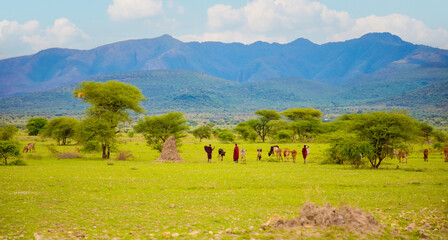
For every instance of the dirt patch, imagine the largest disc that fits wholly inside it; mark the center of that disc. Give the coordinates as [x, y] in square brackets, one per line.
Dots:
[169, 151]
[311, 215]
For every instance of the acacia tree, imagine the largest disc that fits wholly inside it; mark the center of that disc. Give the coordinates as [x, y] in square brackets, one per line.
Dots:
[36, 125]
[157, 129]
[110, 103]
[260, 125]
[9, 149]
[8, 132]
[202, 132]
[61, 128]
[245, 131]
[304, 120]
[382, 131]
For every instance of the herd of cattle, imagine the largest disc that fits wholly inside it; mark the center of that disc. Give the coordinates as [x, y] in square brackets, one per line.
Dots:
[283, 155]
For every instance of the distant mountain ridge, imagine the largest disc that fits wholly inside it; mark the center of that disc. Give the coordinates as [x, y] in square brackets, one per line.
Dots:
[370, 59]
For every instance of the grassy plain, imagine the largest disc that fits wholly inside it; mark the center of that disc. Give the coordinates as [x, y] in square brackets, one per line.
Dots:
[95, 199]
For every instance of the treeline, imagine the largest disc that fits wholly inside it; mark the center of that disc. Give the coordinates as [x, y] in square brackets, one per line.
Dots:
[354, 138]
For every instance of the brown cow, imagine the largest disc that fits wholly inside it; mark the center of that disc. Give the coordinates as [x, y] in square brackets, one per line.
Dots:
[259, 150]
[76, 149]
[286, 153]
[445, 150]
[425, 155]
[395, 152]
[403, 155]
[29, 147]
[279, 154]
[293, 154]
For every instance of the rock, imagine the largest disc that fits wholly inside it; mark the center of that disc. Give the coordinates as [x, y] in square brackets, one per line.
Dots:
[172, 205]
[175, 234]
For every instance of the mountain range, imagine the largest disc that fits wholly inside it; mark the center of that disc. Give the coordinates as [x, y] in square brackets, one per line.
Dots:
[375, 69]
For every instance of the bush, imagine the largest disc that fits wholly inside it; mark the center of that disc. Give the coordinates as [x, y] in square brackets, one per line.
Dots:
[68, 155]
[92, 146]
[18, 162]
[52, 149]
[33, 156]
[130, 134]
[349, 150]
[226, 136]
[124, 155]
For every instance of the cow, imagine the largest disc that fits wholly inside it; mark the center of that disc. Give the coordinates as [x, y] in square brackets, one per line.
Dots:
[293, 154]
[445, 151]
[221, 154]
[402, 155]
[273, 150]
[259, 150]
[279, 154]
[286, 153]
[29, 147]
[77, 149]
[425, 155]
[243, 155]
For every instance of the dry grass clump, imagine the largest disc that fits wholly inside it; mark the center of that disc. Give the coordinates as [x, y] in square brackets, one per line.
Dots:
[123, 155]
[68, 155]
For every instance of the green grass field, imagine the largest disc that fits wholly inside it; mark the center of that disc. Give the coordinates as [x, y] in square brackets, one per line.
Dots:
[90, 198]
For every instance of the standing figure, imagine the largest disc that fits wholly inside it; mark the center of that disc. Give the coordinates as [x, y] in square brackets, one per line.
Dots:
[209, 150]
[243, 155]
[236, 153]
[259, 154]
[304, 154]
[425, 155]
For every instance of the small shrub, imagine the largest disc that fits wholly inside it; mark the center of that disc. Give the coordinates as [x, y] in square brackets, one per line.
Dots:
[18, 162]
[124, 155]
[438, 146]
[130, 134]
[92, 146]
[52, 149]
[226, 136]
[68, 155]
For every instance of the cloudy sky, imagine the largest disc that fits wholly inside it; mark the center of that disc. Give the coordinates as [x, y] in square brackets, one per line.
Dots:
[27, 26]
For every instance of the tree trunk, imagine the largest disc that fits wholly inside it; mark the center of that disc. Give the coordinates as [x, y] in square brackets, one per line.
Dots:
[108, 152]
[103, 146]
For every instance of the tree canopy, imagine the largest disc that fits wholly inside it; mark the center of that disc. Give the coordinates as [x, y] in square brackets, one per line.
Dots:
[157, 129]
[8, 132]
[260, 125]
[110, 103]
[36, 125]
[61, 128]
[301, 114]
[382, 131]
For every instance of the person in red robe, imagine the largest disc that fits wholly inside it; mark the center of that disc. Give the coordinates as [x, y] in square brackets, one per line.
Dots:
[209, 150]
[304, 154]
[236, 153]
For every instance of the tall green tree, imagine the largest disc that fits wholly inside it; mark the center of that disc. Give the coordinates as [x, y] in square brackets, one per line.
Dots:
[8, 132]
[296, 114]
[61, 128]
[383, 131]
[245, 131]
[261, 124]
[9, 149]
[157, 129]
[202, 132]
[111, 103]
[36, 125]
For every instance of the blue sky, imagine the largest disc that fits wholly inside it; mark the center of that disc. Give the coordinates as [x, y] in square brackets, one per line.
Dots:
[27, 26]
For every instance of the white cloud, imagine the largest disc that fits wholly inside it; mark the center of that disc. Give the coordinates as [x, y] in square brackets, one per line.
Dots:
[409, 29]
[285, 20]
[17, 38]
[274, 19]
[63, 33]
[134, 9]
[8, 28]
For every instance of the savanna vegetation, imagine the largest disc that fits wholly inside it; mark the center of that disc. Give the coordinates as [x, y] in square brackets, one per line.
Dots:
[67, 190]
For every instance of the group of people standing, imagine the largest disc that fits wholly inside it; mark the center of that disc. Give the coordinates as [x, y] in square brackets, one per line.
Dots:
[236, 153]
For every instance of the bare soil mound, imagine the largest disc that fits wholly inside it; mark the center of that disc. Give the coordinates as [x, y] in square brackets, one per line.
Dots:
[169, 151]
[311, 215]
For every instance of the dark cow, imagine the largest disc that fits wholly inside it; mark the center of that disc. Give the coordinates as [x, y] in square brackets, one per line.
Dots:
[425, 155]
[273, 150]
[445, 151]
[259, 150]
[221, 154]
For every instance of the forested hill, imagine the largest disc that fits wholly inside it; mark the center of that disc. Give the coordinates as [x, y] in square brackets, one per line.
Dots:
[375, 57]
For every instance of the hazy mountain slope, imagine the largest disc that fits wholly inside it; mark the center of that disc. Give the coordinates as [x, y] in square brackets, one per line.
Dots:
[341, 63]
[180, 90]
